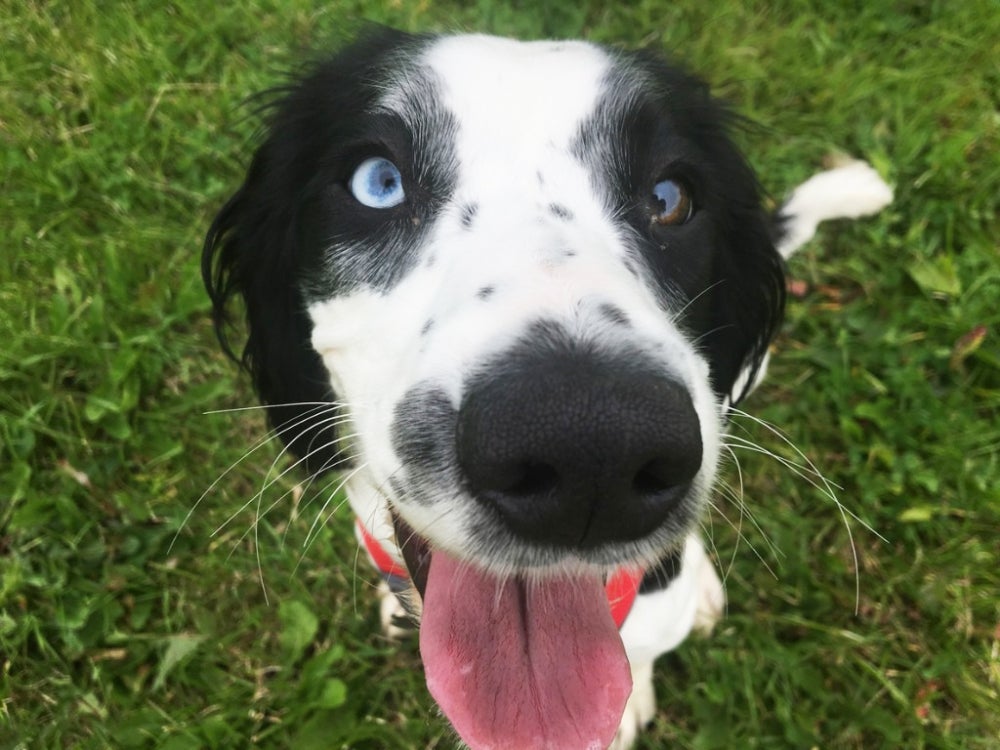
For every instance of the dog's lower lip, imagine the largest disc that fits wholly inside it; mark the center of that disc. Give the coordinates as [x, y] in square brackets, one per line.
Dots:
[416, 552]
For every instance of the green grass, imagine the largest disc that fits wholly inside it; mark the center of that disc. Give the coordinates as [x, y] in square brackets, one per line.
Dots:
[121, 133]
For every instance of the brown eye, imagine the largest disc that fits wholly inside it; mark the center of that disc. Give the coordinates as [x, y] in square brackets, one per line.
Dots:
[672, 201]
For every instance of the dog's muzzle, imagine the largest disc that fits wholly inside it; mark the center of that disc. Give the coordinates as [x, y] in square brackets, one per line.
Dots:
[578, 449]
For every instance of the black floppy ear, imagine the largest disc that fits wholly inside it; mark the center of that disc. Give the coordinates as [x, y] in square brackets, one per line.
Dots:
[266, 244]
[732, 273]
[252, 251]
[747, 297]
[748, 309]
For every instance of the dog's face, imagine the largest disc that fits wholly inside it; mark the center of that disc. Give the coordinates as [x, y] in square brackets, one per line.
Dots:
[531, 275]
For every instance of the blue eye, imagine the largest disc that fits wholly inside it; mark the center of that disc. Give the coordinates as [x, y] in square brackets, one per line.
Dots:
[377, 183]
[672, 201]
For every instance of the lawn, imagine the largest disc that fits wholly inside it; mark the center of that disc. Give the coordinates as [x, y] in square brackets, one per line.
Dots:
[143, 606]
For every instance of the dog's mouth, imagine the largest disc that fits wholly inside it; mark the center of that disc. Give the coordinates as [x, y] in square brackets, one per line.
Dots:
[515, 662]
[416, 553]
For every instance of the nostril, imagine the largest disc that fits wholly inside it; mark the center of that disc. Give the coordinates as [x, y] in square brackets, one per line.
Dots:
[524, 494]
[531, 479]
[660, 475]
[649, 481]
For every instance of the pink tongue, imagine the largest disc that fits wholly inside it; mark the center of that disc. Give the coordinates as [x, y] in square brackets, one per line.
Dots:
[522, 665]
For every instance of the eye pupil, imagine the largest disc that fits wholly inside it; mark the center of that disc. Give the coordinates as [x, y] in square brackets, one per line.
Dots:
[387, 180]
[672, 201]
[377, 183]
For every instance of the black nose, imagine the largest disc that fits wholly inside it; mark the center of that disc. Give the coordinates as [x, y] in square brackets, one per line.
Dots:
[576, 450]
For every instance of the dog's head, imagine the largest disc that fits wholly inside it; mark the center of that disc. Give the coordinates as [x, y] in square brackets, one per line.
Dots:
[531, 275]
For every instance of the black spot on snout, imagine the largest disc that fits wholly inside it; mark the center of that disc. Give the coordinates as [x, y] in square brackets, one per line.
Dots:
[467, 214]
[423, 434]
[560, 211]
[486, 292]
[613, 314]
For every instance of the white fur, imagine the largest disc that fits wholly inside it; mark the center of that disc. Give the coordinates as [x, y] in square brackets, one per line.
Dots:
[513, 121]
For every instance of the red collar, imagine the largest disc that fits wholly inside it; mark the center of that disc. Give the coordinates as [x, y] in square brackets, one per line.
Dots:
[622, 587]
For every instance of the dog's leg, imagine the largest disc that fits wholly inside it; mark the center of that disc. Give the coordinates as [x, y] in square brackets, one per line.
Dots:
[396, 622]
[845, 192]
[711, 598]
[659, 622]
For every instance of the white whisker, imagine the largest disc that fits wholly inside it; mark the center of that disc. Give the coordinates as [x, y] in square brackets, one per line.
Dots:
[807, 471]
[313, 529]
[259, 515]
[677, 315]
[263, 407]
[738, 529]
[744, 508]
[332, 422]
[302, 489]
[253, 449]
[328, 466]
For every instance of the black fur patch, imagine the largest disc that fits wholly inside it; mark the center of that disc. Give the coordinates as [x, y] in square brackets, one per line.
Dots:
[292, 232]
[721, 267]
[423, 435]
[662, 574]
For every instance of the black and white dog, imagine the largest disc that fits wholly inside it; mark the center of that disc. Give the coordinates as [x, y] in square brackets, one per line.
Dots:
[510, 290]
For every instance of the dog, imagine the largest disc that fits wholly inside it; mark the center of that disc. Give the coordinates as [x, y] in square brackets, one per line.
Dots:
[511, 290]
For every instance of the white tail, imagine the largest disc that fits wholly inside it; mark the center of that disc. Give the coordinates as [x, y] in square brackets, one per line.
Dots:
[845, 192]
